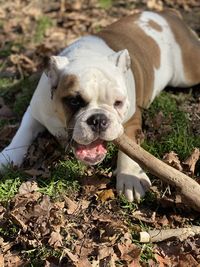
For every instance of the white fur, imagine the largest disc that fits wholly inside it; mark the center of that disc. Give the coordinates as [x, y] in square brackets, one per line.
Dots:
[27, 132]
[132, 181]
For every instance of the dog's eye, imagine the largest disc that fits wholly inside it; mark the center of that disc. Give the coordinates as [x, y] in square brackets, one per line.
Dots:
[75, 102]
[118, 104]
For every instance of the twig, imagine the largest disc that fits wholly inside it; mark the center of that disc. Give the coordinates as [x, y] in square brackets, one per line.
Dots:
[160, 235]
[188, 187]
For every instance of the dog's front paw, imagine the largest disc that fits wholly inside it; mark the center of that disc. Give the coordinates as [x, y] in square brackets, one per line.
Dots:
[10, 156]
[133, 186]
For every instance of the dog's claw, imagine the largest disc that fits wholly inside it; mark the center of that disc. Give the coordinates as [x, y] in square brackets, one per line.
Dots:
[133, 186]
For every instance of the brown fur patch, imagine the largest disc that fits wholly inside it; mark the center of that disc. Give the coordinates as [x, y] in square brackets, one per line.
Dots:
[189, 44]
[143, 50]
[133, 127]
[145, 56]
[67, 87]
[155, 25]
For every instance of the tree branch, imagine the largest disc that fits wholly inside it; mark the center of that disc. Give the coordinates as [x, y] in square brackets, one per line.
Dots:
[188, 187]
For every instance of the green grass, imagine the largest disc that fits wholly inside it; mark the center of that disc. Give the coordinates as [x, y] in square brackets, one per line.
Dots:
[105, 3]
[63, 179]
[18, 93]
[9, 183]
[147, 253]
[180, 138]
[43, 24]
[38, 256]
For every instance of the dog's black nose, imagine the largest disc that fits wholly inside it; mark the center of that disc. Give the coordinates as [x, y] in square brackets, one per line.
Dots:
[98, 122]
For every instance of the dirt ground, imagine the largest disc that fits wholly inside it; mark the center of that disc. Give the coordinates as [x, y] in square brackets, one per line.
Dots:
[48, 220]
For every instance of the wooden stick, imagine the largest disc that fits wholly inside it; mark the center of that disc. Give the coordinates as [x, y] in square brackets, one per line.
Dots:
[163, 234]
[188, 187]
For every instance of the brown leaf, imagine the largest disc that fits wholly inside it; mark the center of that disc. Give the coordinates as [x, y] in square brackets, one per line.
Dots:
[72, 206]
[6, 132]
[17, 219]
[172, 159]
[192, 160]
[106, 195]
[162, 261]
[128, 252]
[83, 262]
[28, 187]
[94, 183]
[5, 111]
[187, 260]
[34, 172]
[13, 260]
[104, 252]
[158, 120]
[155, 4]
[1, 260]
[55, 240]
[72, 257]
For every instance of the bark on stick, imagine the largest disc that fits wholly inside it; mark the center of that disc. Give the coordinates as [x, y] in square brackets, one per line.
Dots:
[160, 235]
[188, 187]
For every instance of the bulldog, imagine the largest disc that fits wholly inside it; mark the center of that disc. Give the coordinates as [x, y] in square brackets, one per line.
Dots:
[97, 88]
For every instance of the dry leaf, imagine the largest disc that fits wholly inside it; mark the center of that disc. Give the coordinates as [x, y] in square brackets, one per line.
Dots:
[12, 260]
[192, 160]
[1, 260]
[172, 159]
[106, 195]
[28, 187]
[104, 252]
[72, 206]
[155, 4]
[187, 260]
[72, 257]
[5, 111]
[55, 240]
[83, 262]
[128, 252]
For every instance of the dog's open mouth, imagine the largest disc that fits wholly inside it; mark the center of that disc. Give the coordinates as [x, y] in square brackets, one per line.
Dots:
[92, 153]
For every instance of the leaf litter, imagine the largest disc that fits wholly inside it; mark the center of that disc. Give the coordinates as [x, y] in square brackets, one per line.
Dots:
[91, 227]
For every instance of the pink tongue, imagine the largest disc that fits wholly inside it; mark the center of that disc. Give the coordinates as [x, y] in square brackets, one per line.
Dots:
[92, 152]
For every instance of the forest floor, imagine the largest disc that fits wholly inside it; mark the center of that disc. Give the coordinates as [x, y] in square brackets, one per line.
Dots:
[54, 211]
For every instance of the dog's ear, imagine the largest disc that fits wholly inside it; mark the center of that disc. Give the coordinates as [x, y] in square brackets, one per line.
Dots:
[121, 59]
[55, 65]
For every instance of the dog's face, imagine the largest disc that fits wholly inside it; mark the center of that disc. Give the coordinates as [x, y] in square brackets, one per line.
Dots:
[90, 98]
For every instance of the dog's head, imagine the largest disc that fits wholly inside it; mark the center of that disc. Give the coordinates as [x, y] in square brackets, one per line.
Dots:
[89, 96]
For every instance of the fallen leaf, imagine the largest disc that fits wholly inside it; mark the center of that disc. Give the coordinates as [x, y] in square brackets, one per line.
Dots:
[155, 4]
[71, 256]
[128, 252]
[192, 160]
[162, 261]
[106, 195]
[34, 172]
[13, 260]
[1, 260]
[187, 260]
[72, 206]
[28, 187]
[17, 219]
[55, 240]
[83, 262]
[104, 252]
[5, 111]
[172, 159]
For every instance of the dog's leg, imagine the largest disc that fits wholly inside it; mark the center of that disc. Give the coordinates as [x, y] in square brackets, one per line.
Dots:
[14, 153]
[132, 181]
